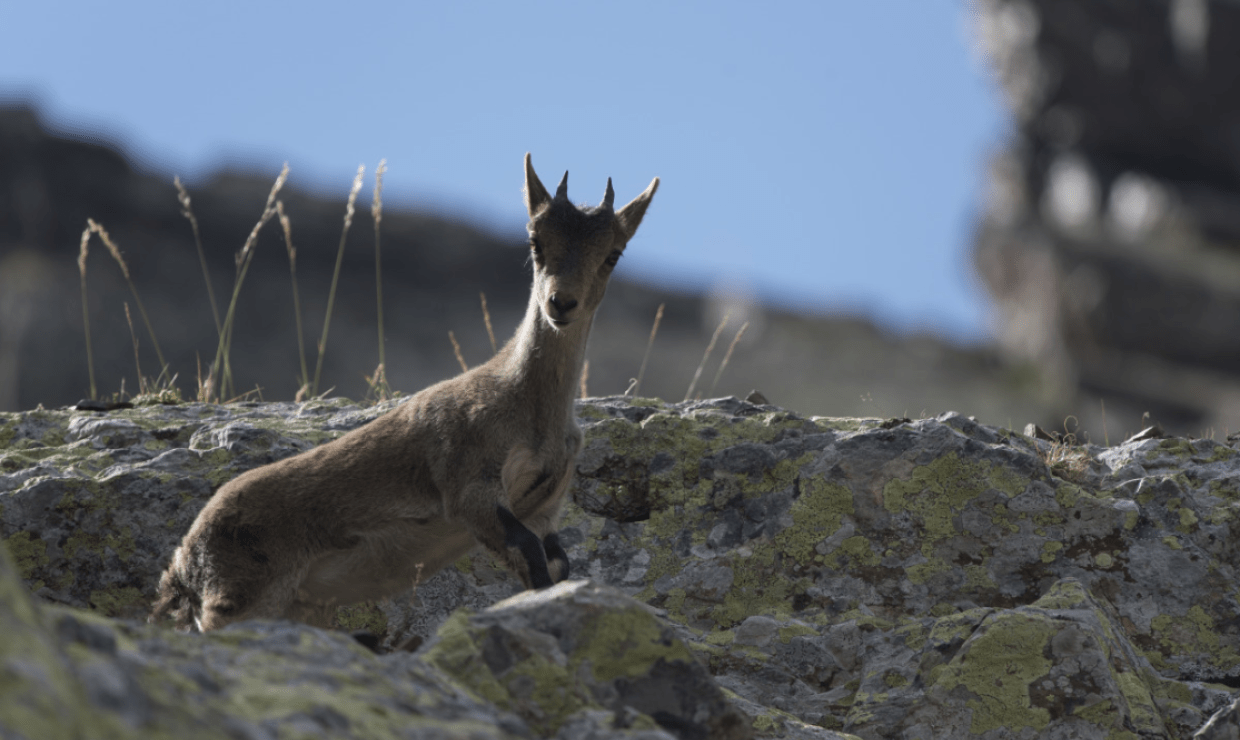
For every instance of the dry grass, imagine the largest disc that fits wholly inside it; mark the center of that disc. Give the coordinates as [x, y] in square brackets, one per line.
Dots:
[636, 383]
[1066, 457]
[1068, 460]
[728, 356]
[486, 317]
[379, 388]
[331, 293]
[706, 356]
[219, 380]
[133, 289]
[83, 251]
[456, 350]
[187, 210]
[218, 384]
[303, 382]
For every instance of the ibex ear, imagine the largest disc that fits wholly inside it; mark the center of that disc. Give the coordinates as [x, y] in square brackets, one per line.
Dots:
[630, 217]
[536, 196]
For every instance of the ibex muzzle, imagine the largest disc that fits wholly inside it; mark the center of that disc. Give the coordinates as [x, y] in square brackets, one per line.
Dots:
[484, 457]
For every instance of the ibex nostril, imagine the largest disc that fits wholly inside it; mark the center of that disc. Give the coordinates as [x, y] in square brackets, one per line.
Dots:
[563, 305]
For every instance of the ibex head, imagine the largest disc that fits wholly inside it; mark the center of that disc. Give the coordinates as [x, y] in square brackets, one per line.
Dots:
[575, 249]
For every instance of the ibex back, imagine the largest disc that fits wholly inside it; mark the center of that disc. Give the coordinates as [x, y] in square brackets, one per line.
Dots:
[484, 457]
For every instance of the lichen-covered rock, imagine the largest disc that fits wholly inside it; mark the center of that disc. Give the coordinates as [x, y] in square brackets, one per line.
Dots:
[608, 669]
[1224, 725]
[849, 575]
[69, 673]
[1058, 667]
[576, 647]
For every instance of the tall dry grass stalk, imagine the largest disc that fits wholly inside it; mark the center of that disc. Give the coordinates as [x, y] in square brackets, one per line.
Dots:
[220, 378]
[303, 382]
[137, 362]
[585, 376]
[486, 317]
[188, 212]
[709, 348]
[637, 382]
[376, 210]
[331, 293]
[83, 251]
[727, 356]
[456, 349]
[120, 260]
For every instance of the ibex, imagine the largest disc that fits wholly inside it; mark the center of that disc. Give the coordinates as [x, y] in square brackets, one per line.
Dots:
[484, 457]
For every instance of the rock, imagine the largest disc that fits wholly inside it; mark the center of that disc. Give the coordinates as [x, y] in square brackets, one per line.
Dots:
[579, 647]
[1224, 725]
[1108, 239]
[935, 578]
[70, 673]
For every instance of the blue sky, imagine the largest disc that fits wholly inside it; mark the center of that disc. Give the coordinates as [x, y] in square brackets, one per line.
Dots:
[826, 155]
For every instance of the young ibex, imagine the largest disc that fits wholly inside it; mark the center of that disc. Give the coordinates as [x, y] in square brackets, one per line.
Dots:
[484, 457]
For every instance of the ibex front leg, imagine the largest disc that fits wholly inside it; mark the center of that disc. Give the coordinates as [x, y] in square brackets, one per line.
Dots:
[523, 548]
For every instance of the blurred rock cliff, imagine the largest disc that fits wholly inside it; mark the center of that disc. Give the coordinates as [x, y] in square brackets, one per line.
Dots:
[1111, 235]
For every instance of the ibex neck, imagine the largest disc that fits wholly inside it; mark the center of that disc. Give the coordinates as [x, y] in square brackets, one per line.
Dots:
[545, 362]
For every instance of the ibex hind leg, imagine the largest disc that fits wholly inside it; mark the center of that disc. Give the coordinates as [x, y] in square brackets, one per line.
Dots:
[312, 613]
[236, 602]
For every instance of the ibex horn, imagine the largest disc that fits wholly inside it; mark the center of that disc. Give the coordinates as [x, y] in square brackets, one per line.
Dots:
[609, 196]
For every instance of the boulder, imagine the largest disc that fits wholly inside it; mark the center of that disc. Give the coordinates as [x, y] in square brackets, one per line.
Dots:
[748, 570]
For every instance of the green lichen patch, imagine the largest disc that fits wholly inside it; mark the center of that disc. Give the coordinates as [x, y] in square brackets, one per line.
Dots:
[29, 553]
[816, 515]
[626, 644]
[124, 601]
[758, 587]
[1196, 633]
[937, 492]
[996, 667]
[525, 673]
[366, 616]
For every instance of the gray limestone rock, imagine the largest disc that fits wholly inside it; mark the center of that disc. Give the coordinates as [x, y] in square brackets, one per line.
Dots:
[927, 578]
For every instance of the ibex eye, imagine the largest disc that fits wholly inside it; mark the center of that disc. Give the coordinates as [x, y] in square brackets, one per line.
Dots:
[613, 258]
[535, 247]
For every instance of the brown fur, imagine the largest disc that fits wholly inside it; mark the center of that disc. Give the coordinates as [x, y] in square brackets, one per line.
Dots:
[363, 516]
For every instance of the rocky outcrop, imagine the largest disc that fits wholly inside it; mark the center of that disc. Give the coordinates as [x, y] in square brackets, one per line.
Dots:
[1110, 230]
[748, 570]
